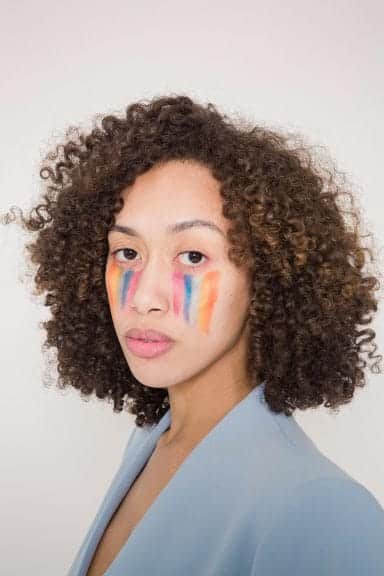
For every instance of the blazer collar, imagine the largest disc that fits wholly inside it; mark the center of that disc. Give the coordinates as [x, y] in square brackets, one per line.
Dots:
[153, 433]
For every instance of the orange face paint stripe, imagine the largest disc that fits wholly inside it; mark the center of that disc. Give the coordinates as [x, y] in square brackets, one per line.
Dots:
[208, 297]
[113, 283]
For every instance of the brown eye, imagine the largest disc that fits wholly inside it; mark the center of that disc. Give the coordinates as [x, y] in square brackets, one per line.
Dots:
[127, 252]
[195, 257]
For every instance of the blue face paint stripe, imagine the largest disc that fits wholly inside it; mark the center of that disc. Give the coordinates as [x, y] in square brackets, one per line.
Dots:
[127, 275]
[187, 291]
[194, 302]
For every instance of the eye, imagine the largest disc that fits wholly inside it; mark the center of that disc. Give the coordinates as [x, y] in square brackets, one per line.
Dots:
[128, 251]
[195, 256]
[130, 254]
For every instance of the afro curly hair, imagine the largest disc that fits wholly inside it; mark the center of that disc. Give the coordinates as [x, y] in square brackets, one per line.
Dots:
[308, 290]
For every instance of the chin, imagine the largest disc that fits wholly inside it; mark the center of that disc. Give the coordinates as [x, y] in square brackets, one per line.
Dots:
[153, 376]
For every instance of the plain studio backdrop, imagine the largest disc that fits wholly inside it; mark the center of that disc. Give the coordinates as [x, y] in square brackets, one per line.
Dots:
[315, 68]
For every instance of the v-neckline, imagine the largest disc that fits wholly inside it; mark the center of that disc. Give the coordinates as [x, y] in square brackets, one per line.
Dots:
[141, 455]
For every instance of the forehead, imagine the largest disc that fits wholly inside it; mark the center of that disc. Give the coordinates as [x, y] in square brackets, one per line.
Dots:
[174, 191]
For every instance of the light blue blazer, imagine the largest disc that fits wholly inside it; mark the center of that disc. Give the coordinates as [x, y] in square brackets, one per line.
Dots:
[255, 497]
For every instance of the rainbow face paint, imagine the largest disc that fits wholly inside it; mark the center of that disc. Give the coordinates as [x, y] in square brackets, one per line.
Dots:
[193, 296]
[196, 297]
[121, 284]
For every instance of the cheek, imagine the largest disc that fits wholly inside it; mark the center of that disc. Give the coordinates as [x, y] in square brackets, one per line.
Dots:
[121, 285]
[195, 297]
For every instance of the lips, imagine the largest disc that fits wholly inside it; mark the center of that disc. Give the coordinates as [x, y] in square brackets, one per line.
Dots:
[147, 335]
[147, 348]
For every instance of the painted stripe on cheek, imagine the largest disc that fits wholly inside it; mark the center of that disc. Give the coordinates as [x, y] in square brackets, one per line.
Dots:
[113, 282]
[133, 280]
[187, 295]
[124, 286]
[194, 301]
[208, 296]
[178, 289]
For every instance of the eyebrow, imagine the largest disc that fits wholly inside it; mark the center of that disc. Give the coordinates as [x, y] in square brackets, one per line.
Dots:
[173, 228]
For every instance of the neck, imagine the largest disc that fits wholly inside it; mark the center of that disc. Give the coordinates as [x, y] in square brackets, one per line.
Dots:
[198, 404]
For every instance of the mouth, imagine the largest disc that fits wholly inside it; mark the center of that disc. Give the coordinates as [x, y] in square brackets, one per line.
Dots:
[147, 335]
[148, 348]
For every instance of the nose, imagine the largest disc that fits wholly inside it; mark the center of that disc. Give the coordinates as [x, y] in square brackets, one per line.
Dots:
[146, 289]
[142, 294]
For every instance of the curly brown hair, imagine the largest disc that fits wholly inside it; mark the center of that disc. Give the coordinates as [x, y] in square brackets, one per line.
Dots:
[288, 226]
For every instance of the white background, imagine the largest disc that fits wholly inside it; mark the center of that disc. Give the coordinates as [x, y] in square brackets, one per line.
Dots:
[312, 67]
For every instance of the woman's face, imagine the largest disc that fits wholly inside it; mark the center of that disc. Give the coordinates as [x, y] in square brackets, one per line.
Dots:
[172, 277]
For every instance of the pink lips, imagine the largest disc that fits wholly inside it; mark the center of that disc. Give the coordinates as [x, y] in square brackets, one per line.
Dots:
[153, 335]
[147, 343]
[148, 349]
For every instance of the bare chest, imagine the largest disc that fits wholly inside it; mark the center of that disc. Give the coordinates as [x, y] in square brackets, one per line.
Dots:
[143, 492]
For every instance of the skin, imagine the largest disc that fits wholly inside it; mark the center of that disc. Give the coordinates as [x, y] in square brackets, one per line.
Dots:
[184, 285]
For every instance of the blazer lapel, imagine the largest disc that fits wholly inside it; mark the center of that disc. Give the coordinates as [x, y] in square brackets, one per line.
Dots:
[140, 446]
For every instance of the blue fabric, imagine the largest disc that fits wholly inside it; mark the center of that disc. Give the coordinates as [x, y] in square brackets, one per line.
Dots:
[255, 497]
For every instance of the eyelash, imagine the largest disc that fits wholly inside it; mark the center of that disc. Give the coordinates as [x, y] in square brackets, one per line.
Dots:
[186, 252]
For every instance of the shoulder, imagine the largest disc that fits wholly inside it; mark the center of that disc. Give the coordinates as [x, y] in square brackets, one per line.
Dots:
[331, 525]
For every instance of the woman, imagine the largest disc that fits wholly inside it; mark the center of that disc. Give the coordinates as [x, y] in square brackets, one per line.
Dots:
[201, 274]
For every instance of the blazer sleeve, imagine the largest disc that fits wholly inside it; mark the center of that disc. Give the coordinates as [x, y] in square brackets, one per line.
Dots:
[331, 527]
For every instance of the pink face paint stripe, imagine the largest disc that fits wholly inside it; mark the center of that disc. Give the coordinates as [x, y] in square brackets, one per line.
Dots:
[208, 297]
[178, 285]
